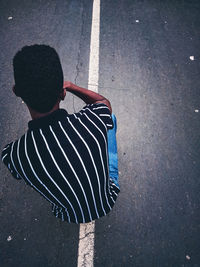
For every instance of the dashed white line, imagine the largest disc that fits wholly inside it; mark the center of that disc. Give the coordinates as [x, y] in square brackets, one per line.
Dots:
[86, 232]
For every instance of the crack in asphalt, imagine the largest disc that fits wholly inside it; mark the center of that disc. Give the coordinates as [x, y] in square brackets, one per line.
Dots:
[85, 259]
[89, 233]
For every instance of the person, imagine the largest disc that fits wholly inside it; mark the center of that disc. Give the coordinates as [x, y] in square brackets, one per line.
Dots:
[70, 159]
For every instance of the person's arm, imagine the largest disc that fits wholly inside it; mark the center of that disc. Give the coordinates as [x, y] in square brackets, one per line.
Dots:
[88, 96]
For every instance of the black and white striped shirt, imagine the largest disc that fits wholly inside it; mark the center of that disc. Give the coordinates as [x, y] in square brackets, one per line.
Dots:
[64, 157]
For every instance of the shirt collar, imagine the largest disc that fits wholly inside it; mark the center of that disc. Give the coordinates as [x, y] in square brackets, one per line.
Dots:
[47, 120]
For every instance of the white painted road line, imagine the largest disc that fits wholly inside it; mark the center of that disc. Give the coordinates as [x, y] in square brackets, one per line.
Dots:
[86, 245]
[86, 232]
[93, 76]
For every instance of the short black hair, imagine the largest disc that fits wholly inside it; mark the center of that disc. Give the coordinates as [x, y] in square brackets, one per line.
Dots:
[38, 76]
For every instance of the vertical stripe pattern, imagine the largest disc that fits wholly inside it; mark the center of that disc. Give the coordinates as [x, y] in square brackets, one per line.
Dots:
[64, 158]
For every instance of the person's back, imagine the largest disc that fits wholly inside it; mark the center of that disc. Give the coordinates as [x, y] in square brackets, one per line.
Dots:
[62, 156]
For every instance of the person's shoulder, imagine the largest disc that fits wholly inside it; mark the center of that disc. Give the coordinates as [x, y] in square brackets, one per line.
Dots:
[8, 156]
[100, 111]
[97, 107]
[13, 145]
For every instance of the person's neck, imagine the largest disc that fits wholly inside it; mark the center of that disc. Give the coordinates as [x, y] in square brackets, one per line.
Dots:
[36, 115]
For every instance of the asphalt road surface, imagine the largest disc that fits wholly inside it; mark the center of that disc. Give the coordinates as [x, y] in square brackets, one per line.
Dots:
[150, 71]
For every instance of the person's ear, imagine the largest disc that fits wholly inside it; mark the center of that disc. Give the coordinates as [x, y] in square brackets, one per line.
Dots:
[63, 94]
[14, 91]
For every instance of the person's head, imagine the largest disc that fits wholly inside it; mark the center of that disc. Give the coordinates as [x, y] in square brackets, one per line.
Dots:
[38, 77]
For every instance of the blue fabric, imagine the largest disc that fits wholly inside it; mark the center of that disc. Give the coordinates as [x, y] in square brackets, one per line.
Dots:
[112, 152]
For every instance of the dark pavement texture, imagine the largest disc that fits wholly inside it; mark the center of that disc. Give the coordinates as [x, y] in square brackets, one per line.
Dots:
[146, 72]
